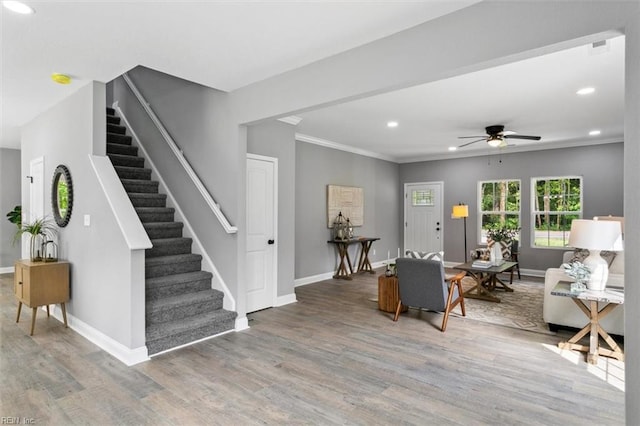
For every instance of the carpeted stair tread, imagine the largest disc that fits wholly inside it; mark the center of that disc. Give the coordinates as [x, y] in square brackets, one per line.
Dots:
[180, 306]
[126, 172]
[173, 264]
[116, 128]
[147, 199]
[163, 229]
[169, 246]
[169, 285]
[112, 119]
[155, 214]
[138, 186]
[118, 139]
[116, 148]
[110, 111]
[167, 335]
[126, 160]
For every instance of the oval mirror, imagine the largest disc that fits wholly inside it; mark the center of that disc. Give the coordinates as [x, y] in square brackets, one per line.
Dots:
[62, 195]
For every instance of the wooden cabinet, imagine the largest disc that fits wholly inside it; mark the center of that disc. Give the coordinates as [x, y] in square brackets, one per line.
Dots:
[41, 284]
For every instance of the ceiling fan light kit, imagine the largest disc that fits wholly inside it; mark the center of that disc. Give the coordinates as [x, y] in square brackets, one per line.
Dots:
[496, 136]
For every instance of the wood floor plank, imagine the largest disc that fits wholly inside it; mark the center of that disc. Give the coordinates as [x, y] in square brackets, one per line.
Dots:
[330, 358]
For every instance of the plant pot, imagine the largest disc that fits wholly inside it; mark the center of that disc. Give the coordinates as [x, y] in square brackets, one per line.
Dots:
[35, 247]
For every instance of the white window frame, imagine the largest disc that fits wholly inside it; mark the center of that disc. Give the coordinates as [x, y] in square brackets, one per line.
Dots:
[535, 212]
[481, 212]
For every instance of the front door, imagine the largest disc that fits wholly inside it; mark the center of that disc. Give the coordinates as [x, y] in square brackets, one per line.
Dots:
[423, 216]
[261, 232]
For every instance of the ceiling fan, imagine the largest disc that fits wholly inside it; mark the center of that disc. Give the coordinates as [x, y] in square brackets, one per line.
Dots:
[496, 136]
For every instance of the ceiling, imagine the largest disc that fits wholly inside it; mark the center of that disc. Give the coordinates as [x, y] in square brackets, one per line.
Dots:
[220, 44]
[227, 45]
[536, 96]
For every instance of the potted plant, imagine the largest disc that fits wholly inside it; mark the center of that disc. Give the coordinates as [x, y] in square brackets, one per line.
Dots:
[41, 230]
[499, 241]
[15, 216]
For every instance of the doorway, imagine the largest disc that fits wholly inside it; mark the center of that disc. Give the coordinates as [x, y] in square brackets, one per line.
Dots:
[423, 216]
[262, 242]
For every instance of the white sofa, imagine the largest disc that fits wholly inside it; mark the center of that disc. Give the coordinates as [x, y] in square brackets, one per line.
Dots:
[559, 310]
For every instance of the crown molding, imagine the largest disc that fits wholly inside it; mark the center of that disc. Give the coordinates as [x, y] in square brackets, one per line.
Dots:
[292, 119]
[334, 145]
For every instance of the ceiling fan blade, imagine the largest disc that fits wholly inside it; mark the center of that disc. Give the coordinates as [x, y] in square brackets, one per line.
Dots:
[516, 136]
[471, 137]
[469, 143]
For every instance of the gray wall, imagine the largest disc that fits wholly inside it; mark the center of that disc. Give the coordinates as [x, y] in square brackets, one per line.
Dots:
[10, 180]
[317, 167]
[192, 114]
[102, 292]
[599, 165]
[277, 139]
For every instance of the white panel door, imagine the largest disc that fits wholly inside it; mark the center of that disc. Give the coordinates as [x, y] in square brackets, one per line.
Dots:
[423, 217]
[261, 233]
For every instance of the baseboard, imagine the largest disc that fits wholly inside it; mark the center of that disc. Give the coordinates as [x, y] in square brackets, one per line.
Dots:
[286, 299]
[242, 324]
[328, 275]
[7, 270]
[124, 354]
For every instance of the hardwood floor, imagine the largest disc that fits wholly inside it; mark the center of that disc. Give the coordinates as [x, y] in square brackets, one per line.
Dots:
[330, 358]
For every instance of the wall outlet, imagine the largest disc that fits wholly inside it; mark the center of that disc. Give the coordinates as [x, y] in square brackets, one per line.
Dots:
[374, 252]
[87, 220]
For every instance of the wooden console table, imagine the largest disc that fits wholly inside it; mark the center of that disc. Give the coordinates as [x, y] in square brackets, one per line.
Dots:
[363, 261]
[587, 301]
[41, 284]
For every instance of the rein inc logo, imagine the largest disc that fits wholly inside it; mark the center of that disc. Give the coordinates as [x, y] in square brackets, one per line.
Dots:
[17, 420]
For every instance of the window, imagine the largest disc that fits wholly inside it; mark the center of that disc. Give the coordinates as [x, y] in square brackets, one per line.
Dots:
[422, 197]
[499, 205]
[556, 201]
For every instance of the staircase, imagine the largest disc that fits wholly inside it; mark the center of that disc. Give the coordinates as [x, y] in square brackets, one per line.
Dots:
[181, 306]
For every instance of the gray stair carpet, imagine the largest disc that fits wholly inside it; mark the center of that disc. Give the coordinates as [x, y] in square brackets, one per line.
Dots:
[181, 306]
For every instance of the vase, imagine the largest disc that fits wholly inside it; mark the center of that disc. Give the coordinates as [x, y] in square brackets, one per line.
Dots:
[35, 247]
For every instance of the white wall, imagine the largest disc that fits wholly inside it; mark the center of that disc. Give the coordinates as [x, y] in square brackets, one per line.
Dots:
[103, 297]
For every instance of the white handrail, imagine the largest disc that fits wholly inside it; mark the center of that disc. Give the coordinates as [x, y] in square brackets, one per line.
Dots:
[215, 207]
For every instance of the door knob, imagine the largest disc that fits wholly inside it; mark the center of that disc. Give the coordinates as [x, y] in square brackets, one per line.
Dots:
[271, 241]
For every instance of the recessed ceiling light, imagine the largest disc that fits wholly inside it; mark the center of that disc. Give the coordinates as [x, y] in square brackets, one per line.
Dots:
[61, 78]
[594, 133]
[392, 124]
[453, 148]
[586, 91]
[18, 7]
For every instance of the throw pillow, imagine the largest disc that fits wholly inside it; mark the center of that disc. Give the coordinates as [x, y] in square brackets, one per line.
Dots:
[436, 255]
[579, 255]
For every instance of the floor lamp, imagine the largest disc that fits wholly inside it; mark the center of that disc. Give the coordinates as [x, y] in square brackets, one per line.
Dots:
[462, 211]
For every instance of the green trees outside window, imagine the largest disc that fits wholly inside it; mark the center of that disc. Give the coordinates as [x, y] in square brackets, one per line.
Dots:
[499, 205]
[555, 203]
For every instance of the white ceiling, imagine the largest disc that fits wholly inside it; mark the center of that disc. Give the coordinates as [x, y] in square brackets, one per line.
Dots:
[227, 45]
[536, 96]
[220, 44]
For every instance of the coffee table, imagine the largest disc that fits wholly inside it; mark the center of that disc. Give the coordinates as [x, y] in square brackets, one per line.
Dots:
[587, 301]
[486, 280]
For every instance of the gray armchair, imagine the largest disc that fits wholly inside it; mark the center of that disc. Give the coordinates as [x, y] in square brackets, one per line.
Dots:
[422, 284]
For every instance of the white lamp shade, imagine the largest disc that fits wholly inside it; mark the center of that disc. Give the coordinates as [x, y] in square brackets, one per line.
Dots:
[595, 234]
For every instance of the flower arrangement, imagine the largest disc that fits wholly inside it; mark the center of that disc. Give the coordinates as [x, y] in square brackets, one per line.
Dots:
[502, 234]
[577, 271]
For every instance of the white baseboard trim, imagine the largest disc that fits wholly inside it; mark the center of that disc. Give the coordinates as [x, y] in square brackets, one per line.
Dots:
[286, 299]
[242, 324]
[328, 275]
[7, 270]
[124, 354]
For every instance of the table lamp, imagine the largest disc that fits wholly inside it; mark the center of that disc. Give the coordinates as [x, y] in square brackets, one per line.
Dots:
[596, 235]
[462, 211]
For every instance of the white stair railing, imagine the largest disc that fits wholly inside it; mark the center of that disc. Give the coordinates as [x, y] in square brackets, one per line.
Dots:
[215, 207]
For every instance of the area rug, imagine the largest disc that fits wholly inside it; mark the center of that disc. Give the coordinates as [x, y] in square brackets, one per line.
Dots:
[521, 309]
